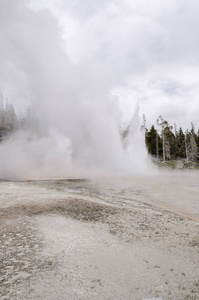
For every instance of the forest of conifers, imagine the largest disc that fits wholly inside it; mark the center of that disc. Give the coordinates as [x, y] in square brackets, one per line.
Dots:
[163, 141]
[10, 121]
[170, 143]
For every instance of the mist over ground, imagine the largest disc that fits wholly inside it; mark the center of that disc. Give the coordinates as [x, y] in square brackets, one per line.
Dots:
[84, 66]
[79, 121]
[84, 69]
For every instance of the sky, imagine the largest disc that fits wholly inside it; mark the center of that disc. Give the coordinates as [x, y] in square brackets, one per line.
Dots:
[148, 49]
[89, 67]
[145, 51]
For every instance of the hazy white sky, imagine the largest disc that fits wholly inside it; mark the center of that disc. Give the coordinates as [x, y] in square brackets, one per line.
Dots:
[146, 51]
[152, 47]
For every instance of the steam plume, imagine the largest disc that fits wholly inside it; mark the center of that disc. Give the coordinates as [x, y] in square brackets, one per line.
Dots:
[78, 121]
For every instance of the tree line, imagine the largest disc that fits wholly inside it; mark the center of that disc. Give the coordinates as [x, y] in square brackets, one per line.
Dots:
[163, 141]
[166, 142]
[10, 121]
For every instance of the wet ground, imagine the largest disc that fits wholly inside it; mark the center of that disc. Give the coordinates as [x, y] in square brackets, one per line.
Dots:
[127, 238]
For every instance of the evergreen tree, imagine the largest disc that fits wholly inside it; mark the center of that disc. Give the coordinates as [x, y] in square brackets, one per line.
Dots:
[172, 143]
[197, 138]
[151, 141]
[192, 148]
[10, 117]
[181, 144]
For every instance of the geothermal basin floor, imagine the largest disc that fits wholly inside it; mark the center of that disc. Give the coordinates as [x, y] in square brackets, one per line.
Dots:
[119, 238]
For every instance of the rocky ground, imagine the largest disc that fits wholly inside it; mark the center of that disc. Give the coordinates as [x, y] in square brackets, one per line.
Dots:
[78, 239]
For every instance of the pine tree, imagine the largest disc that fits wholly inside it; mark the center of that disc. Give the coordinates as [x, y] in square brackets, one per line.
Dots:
[151, 141]
[192, 148]
[197, 138]
[172, 143]
[10, 117]
[181, 144]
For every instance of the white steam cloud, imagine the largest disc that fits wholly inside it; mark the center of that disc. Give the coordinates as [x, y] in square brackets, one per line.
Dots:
[79, 122]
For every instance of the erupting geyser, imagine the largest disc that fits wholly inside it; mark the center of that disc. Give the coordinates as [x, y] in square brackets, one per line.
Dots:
[78, 128]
